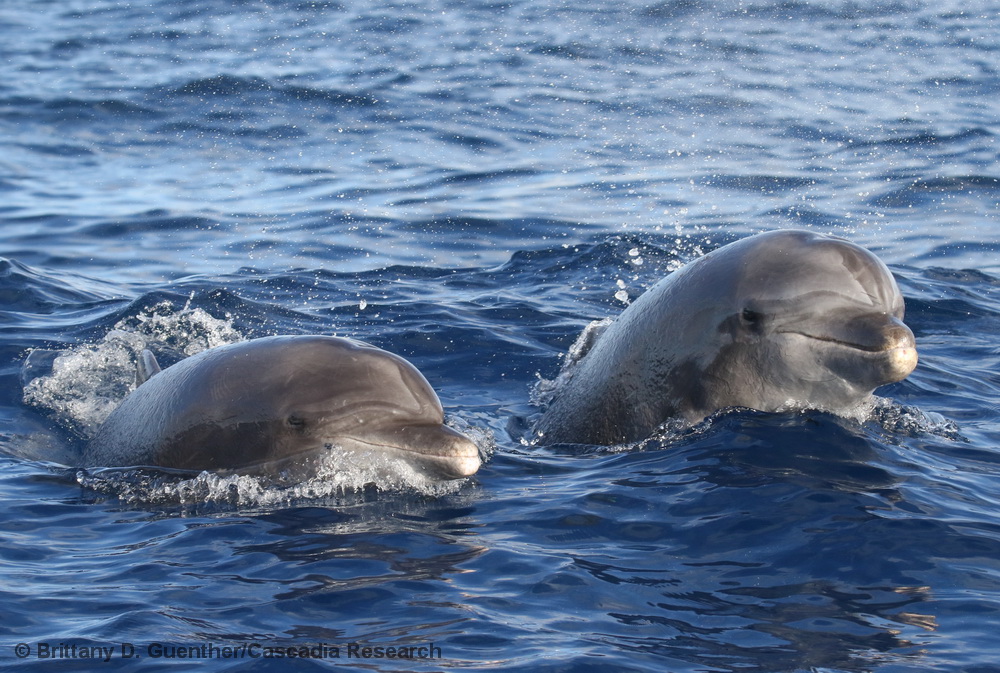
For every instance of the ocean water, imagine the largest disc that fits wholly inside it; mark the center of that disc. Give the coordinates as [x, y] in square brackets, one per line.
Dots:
[469, 184]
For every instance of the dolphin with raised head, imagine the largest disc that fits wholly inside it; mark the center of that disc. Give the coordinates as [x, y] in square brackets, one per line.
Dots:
[784, 319]
[256, 405]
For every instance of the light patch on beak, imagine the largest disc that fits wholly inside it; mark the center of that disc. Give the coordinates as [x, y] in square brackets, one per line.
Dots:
[464, 466]
[902, 361]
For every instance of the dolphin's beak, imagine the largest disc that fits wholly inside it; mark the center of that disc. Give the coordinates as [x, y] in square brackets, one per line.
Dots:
[900, 349]
[455, 455]
[883, 338]
[437, 449]
[887, 338]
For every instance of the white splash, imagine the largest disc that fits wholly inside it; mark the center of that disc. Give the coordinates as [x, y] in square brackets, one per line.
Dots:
[544, 390]
[88, 381]
[327, 478]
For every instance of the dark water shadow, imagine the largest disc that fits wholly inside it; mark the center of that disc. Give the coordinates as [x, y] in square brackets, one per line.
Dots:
[760, 542]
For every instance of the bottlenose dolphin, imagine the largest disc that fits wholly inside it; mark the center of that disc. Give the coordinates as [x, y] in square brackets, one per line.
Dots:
[784, 319]
[258, 404]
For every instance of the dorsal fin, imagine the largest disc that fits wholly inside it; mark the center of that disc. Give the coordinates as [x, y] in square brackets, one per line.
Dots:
[145, 367]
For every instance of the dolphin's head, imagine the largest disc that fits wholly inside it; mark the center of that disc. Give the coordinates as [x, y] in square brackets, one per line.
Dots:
[366, 402]
[817, 320]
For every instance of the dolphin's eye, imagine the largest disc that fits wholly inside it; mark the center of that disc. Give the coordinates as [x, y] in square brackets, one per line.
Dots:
[751, 316]
[296, 422]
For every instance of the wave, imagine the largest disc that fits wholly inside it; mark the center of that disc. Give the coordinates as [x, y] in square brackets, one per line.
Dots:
[847, 10]
[676, 9]
[766, 184]
[786, 10]
[72, 109]
[277, 132]
[924, 139]
[250, 95]
[919, 191]
[226, 86]
[150, 221]
[26, 290]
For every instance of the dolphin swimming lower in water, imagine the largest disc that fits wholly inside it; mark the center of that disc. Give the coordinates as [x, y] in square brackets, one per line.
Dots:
[256, 405]
[779, 320]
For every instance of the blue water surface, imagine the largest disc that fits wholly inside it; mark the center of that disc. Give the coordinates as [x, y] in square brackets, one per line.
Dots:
[468, 184]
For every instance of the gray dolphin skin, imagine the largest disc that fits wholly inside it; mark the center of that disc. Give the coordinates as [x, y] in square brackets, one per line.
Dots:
[258, 404]
[783, 319]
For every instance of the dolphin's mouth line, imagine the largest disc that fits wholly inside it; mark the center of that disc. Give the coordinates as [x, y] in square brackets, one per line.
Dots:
[376, 445]
[841, 342]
